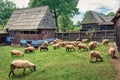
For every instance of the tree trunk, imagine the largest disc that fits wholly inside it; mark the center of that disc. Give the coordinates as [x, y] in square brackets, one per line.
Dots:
[56, 21]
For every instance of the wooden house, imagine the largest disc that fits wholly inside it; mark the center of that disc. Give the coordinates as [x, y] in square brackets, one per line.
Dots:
[97, 21]
[31, 24]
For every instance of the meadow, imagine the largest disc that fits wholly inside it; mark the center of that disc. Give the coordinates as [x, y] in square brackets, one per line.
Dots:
[58, 65]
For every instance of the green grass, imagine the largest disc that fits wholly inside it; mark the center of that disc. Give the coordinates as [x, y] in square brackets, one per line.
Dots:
[58, 65]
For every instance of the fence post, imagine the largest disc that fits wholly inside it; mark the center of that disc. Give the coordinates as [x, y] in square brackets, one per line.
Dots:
[69, 36]
[62, 35]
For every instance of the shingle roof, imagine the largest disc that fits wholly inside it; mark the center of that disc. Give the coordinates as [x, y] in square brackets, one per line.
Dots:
[31, 18]
[94, 17]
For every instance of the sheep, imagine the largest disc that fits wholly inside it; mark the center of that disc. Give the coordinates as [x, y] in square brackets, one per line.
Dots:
[82, 46]
[84, 40]
[45, 43]
[56, 46]
[111, 52]
[29, 49]
[28, 45]
[77, 39]
[43, 47]
[93, 44]
[105, 41]
[95, 54]
[21, 64]
[16, 52]
[70, 47]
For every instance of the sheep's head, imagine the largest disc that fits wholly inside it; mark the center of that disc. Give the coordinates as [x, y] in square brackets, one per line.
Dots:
[34, 67]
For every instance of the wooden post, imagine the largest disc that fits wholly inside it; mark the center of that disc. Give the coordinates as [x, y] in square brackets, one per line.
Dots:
[69, 36]
[62, 35]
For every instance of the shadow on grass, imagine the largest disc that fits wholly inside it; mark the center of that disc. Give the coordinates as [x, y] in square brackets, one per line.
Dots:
[20, 76]
[96, 61]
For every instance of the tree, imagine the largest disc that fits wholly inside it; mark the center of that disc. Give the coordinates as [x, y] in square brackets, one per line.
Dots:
[6, 9]
[111, 14]
[57, 7]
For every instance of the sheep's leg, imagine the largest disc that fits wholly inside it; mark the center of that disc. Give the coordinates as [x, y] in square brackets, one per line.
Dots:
[23, 70]
[96, 60]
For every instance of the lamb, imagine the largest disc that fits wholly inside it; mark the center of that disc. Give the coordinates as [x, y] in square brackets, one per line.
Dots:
[82, 46]
[29, 49]
[95, 54]
[105, 41]
[70, 47]
[111, 52]
[16, 52]
[21, 64]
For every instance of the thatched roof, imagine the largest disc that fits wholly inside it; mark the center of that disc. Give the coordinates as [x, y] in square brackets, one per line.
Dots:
[94, 17]
[31, 19]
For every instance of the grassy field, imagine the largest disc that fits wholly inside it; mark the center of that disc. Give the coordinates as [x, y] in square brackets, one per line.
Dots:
[58, 65]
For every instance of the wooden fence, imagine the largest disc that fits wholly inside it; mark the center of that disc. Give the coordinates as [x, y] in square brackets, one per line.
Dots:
[96, 35]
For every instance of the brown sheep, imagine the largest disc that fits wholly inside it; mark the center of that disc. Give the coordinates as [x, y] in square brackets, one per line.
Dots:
[45, 43]
[77, 39]
[28, 45]
[105, 41]
[29, 49]
[82, 46]
[95, 54]
[21, 64]
[43, 48]
[56, 46]
[93, 44]
[70, 47]
[84, 40]
[16, 52]
[111, 52]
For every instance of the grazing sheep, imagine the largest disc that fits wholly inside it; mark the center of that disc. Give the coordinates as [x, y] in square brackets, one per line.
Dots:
[84, 40]
[93, 44]
[105, 41]
[28, 45]
[56, 46]
[111, 52]
[21, 64]
[29, 49]
[70, 47]
[71, 43]
[82, 46]
[45, 43]
[43, 47]
[16, 52]
[77, 39]
[95, 54]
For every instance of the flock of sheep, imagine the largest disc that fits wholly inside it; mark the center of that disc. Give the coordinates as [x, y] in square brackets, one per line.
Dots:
[56, 44]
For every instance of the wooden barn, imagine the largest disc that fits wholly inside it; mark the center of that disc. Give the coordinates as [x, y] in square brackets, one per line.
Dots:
[31, 24]
[116, 21]
[97, 21]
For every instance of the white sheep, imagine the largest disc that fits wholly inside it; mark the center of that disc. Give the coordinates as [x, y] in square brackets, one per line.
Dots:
[16, 52]
[21, 64]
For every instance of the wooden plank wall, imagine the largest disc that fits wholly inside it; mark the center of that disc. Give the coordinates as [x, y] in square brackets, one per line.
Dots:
[97, 35]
